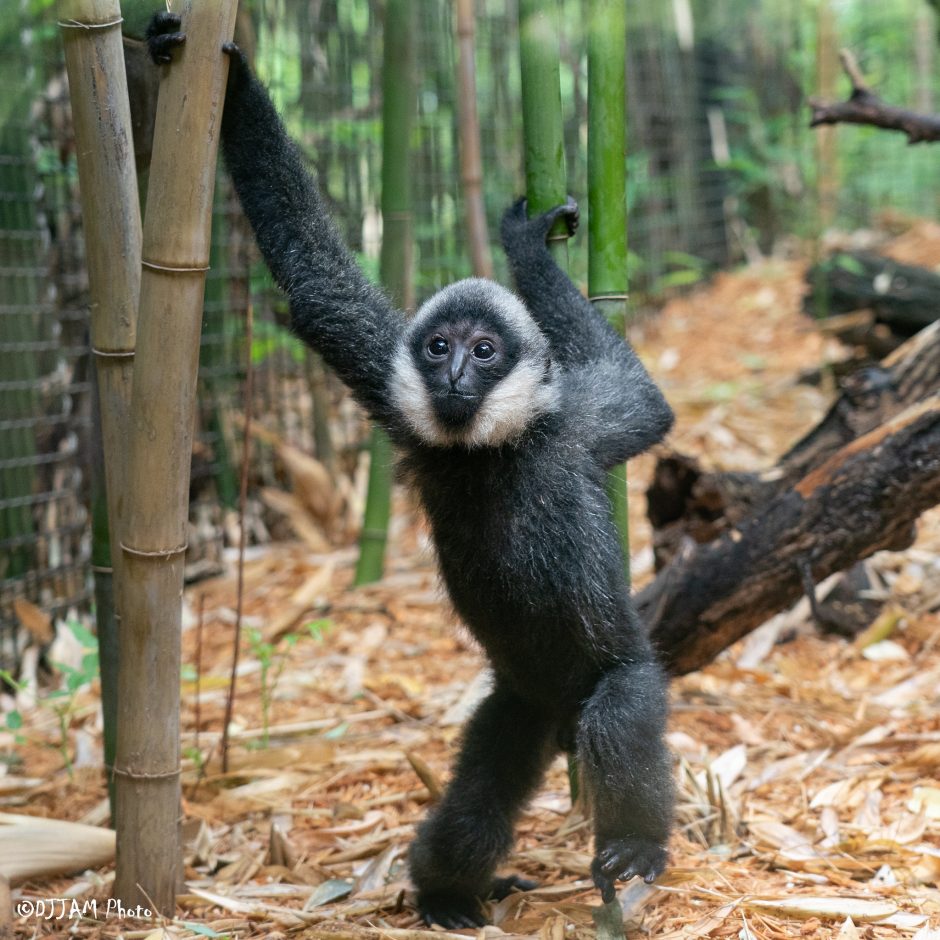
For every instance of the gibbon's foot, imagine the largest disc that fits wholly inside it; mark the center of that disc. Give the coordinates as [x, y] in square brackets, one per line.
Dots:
[457, 911]
[451, 910]
[163, 36]
[503, 887]
[622, 859]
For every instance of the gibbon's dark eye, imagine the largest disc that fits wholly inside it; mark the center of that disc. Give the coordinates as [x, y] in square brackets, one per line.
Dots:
[438, 346]
[484, 350]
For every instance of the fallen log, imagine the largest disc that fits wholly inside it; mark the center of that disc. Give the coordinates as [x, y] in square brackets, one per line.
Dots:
[862, 499]
[904, 297]
[684, 501]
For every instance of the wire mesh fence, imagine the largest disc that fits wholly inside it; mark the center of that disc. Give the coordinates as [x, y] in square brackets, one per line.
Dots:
[720, 163]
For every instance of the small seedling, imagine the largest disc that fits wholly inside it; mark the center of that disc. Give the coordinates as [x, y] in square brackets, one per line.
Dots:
[62, 701]
[13, 719]
[273, 658]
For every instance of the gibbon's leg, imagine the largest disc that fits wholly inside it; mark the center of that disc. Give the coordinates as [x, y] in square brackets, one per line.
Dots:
[628, 772]
[507, 746]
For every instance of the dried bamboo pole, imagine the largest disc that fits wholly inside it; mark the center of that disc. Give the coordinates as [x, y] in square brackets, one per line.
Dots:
[607, 197]
[175, 257]
[471, 161]
[94, 60]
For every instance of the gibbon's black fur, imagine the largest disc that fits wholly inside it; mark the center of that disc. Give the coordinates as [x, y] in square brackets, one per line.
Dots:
[507, 414]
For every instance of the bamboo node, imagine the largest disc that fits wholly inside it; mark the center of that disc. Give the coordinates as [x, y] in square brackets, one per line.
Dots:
[159, 553]
[137, 775]
[74, 24]
[376, 535]
[113, 353]
[102, 569]
[558, 238]
[596, 297]
[170, 269]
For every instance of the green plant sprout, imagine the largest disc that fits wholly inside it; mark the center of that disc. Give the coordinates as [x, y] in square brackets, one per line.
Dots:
[62, 701]
[13, 719]
[272, 658]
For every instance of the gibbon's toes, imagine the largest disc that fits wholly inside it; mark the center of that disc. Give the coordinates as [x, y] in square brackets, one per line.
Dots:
[452, 911]
[234, 51]
[622, 859]
[503, 887]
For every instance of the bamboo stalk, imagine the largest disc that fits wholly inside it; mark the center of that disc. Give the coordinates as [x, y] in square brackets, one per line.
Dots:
[175, 256]
[471, 161]
[607, 196]
[94, 59]
[395, 262]
[545, 179]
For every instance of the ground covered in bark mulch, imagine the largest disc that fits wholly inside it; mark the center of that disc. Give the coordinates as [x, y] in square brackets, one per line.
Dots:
[808, 766]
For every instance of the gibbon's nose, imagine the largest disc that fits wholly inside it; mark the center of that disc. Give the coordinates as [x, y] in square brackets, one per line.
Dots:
[456, 366]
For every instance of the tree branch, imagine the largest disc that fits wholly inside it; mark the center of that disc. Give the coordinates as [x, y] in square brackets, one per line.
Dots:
[865, 107]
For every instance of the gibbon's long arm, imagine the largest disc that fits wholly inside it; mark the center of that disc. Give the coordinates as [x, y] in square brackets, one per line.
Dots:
[577, 333]
[334, 308]
[608, 391]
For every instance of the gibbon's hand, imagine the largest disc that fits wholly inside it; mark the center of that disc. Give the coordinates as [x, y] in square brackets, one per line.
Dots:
[164, 36]
[517, 227]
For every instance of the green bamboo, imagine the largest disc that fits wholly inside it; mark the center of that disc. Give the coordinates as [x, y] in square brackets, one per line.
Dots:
[545, 178]
[542, 127]
[395, 263]
[607, 197]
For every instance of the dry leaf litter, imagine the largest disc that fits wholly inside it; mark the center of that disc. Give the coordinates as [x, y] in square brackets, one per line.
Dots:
[808, 767]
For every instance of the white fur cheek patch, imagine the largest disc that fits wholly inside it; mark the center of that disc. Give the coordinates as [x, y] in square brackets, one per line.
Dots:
[411, 398]
[511, 406]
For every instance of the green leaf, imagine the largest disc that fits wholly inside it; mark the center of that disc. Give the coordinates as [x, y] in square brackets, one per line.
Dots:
[850, 264]
[84, 636]
[319, 628]
[336, 732]
[331, 890]
[201, 929]
[14, 720]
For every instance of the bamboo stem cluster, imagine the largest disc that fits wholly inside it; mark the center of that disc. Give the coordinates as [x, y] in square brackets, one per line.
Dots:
[148, 411]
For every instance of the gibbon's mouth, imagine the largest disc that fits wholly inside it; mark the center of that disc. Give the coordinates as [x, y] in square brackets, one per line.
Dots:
[463, 396]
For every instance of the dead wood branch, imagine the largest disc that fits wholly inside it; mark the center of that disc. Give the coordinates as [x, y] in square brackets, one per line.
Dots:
[862, 499]
[865, 107]
[684, 501]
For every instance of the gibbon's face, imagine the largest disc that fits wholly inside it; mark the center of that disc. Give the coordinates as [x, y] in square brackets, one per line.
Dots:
[460, 362]
[474, 369]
